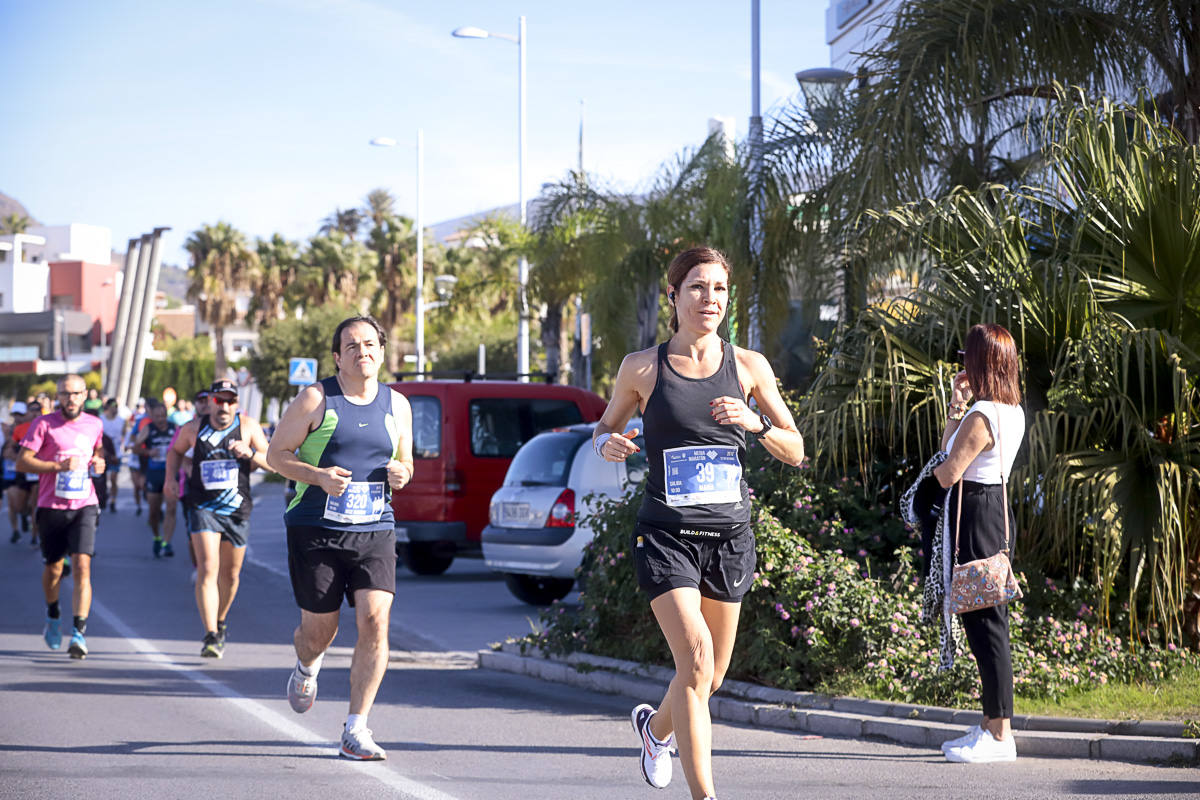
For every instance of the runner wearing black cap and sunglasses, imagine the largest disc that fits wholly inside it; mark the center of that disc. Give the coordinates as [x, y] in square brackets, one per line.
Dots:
[226, 447]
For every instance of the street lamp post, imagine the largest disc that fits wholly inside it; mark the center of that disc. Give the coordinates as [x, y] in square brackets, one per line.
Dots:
[419, 306]
[468, 32]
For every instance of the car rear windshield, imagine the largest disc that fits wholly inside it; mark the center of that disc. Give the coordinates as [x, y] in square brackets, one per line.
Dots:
[500, 425]
[545, 460]
[427, 426]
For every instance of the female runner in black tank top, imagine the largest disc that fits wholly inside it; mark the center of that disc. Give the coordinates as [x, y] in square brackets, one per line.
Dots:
[693, 546]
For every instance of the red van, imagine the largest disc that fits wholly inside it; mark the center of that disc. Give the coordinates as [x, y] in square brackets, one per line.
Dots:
[465, 434]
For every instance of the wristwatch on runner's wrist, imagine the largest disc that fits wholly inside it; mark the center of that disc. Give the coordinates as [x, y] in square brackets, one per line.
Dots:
[766, 425]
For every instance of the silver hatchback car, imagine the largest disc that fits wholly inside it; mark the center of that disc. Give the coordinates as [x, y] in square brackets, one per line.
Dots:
[537, 519]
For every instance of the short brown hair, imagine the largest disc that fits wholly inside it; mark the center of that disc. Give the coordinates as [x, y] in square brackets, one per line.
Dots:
[335, 346]
[992, 364]
[683, 263]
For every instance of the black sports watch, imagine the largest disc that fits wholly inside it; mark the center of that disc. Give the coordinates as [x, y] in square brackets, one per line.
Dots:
[766, 425]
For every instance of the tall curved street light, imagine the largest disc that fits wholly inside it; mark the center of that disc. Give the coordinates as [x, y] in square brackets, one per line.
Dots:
[419, 306]
[469, 32]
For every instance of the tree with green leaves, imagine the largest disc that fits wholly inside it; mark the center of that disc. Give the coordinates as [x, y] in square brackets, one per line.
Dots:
[1095, 269]
[392, 241]
[14, 223]
[345, 221]
[222, 265]
[279, 262]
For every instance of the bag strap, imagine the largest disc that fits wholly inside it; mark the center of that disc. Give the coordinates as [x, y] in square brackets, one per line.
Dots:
[1003, 501]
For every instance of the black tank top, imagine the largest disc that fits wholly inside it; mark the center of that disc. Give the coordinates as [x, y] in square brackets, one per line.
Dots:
[220, 482]
[694, 482]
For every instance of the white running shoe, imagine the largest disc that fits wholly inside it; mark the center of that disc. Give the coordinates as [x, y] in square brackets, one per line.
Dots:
[973, 733]
[301, 691]
[359, 745]
[984, 750]
[655, 758]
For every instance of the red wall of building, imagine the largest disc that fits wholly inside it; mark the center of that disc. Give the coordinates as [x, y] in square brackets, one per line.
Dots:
[93, 289]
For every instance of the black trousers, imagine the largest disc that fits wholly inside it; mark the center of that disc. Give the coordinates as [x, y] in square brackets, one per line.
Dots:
[983, 508]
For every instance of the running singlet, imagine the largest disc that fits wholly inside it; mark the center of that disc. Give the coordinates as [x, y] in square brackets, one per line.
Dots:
[694, 479]
[157, 442]
[220, 482]
[361, 439]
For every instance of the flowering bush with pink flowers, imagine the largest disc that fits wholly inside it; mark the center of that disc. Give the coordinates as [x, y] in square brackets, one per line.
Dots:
[834, 620]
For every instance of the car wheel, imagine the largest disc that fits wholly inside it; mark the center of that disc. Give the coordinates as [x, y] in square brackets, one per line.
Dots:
[425, 558]
[538, 590]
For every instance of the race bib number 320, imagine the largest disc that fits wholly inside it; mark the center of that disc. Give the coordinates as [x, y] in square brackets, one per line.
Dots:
[700, 475]
[363, 501]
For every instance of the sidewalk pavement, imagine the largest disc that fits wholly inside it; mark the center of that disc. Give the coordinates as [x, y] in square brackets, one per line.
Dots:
[922, 726]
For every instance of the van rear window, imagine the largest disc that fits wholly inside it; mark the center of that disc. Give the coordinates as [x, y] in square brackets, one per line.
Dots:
[500, 425]
[427, 426]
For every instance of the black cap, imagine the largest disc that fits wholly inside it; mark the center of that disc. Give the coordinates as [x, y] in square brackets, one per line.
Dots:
[224, 386]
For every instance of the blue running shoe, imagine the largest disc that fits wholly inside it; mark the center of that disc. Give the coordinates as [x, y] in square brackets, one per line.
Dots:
[167, 550]
[78, 646]
[158, 546]
[51, 635]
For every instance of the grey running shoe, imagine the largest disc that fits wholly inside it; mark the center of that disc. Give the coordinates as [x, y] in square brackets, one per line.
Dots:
[655, 758]
[212, 647]
[302, 691]
[78, 646]
[359, 746]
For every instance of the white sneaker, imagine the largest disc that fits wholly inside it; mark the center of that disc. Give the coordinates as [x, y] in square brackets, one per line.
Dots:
[968, 738]
[301, 691]
[360, 746]
[984, 750]
[655, 758]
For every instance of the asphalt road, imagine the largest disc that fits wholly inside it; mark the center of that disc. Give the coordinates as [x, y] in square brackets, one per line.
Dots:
[145, 717]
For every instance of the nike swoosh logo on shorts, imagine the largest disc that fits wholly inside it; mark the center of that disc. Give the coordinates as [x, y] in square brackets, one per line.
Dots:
[739, 581]
[363, 424]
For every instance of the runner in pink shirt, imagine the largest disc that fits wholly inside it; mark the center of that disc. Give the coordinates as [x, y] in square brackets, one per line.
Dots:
[59, 448]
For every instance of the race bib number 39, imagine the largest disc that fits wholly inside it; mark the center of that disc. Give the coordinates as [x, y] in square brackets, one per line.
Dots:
[361, 502]
[699, 475]
[72, 485]
[219, 473]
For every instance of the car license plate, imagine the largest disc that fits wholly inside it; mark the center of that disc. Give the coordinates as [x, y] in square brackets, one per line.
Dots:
[514, 513]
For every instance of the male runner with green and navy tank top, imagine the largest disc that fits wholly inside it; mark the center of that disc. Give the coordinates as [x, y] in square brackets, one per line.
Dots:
[226, 447]
[347, 442]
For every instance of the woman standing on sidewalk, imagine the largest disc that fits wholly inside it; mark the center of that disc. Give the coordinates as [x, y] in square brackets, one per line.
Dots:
[693, 547]
[982, 442]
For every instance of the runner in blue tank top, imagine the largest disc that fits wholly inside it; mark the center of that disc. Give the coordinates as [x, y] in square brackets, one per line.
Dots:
[347, 442]
[693, 547]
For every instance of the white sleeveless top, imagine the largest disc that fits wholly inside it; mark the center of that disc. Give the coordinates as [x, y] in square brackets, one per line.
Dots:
[1007, 424]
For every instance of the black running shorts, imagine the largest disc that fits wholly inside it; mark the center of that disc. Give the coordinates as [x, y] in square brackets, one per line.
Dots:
[67, 531]
[721, 568]
[232, 530]
[326, 565]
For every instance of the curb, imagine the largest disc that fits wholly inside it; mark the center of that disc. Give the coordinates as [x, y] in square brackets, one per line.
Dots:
[903, 723]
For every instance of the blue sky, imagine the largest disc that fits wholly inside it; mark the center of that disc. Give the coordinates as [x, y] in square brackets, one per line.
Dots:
[258, 112]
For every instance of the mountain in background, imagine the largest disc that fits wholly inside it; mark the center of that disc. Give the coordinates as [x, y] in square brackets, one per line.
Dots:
[10, 205]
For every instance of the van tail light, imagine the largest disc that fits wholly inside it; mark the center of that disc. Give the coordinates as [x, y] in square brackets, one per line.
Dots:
[562, 513]
[454, 481]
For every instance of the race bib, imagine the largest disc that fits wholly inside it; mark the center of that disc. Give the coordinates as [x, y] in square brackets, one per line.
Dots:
[72, 485]
[219, 473]
[702, 474]
[361, 502]
[158, 458]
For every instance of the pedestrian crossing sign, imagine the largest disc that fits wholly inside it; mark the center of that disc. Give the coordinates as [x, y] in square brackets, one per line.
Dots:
[302, 371]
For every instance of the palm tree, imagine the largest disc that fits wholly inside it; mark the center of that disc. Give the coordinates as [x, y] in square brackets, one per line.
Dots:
[279, 261]
[222, 265]
[14, 223]
[347, 221]
[1094, 270]
[340, 265]
[392, 240]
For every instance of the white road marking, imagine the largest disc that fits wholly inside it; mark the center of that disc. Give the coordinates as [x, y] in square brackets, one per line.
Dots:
[407, 787]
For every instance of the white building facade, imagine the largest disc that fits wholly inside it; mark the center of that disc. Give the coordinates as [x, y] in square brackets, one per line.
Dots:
[854, 26]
